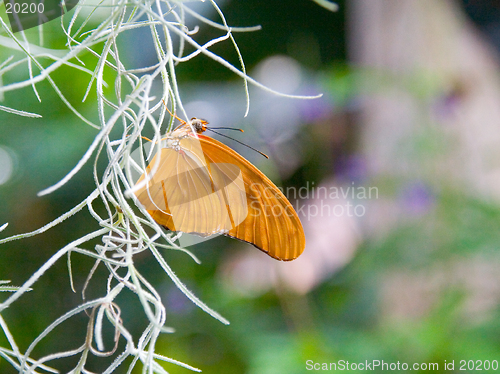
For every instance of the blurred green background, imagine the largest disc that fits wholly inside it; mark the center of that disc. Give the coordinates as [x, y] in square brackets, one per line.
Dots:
[409, 109]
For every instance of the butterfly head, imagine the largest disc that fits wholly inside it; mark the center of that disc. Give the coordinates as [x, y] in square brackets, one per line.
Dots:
[199, 125]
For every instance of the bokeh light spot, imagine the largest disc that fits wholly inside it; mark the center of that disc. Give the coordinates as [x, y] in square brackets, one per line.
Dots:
[6, 165]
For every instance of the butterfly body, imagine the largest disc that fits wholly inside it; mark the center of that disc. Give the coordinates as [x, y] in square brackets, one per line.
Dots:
[201, 186]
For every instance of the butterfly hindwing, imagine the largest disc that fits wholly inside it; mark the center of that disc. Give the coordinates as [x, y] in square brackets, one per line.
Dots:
[272, 225]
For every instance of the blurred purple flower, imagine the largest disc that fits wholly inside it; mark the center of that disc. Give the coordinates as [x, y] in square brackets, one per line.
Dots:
[351, 168]
[417, 198]
[447, 104]
[176, 302]
[316, 109]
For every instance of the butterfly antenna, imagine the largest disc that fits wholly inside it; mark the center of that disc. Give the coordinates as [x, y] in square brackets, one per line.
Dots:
[173, 115]
[226, 128]
[237, 141]
[149, 140]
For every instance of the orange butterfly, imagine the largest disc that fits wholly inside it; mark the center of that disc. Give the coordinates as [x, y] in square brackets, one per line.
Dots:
[201, 186]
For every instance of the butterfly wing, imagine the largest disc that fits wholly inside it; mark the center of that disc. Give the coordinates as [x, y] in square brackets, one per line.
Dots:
[204, 187]
[272, 225]
[182, 193]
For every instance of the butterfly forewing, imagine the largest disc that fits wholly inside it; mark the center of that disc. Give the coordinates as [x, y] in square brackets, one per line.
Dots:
[185, 194]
